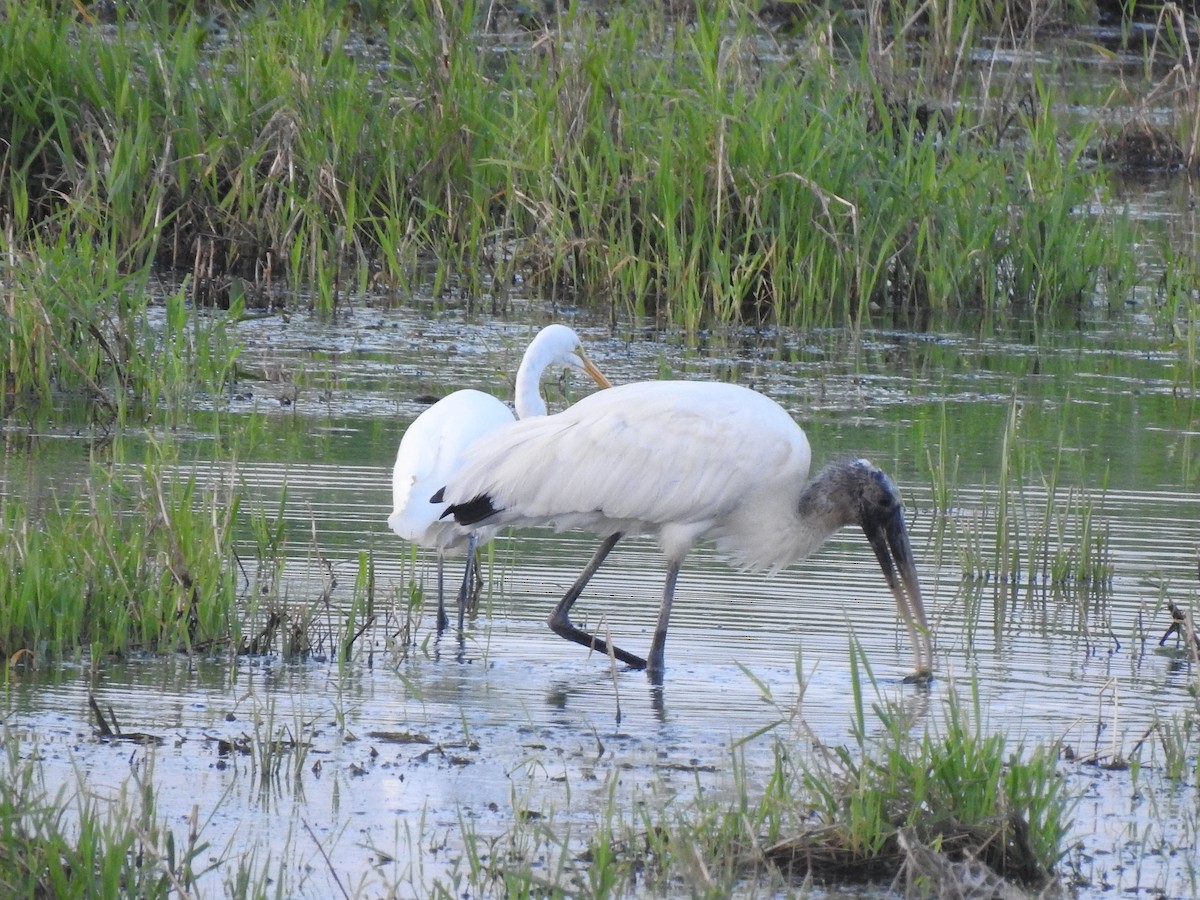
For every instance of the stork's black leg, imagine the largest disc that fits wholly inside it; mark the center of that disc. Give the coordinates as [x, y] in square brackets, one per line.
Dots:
[654, 664]
[560, 619]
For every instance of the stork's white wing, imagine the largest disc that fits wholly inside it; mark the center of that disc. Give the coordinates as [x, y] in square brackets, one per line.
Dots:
[651, 453]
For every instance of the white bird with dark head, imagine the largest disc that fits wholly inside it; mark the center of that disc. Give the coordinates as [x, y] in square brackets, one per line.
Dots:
[683, 461]
[432, 446]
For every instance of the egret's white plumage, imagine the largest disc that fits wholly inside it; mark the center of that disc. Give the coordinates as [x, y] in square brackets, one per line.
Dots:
[684, 462]
[432, 447]
[429, 452]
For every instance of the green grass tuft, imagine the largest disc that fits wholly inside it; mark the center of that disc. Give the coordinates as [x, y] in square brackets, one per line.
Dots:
[121, 565]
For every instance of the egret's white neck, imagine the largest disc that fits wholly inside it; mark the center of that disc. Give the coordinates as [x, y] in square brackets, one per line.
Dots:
[528, 399]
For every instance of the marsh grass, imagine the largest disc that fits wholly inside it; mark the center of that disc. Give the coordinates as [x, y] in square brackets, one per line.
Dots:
[1030, 541]
[946, 786]
[697, 167]
[74, 323]
[1031, 530]
[1179, 738]
[278, 752]
[1176, 294]
[69, 843]
[312, 617]
[119, 565]
[1159, 131]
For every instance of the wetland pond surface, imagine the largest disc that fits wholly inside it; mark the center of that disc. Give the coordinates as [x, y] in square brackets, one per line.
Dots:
[1081, 449]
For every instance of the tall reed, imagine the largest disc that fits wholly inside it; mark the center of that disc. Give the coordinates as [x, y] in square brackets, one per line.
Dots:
[701, 169]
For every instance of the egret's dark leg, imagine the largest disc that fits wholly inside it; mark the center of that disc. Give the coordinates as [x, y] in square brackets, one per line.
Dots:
[442, 621]
[464, 592]
[477, 587]
[560, 619]
[654, 662]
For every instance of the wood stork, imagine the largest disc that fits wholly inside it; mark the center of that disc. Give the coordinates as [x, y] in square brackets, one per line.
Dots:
[683, 461]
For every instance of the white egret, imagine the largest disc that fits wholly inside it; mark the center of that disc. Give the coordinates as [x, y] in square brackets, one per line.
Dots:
[432, 446]
[684, 462]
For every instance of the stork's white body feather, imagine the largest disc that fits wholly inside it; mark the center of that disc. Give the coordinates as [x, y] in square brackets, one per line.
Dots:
[682, 461]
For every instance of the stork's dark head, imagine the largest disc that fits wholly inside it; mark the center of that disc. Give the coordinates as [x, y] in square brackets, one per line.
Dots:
[850, 492]
[856, 492]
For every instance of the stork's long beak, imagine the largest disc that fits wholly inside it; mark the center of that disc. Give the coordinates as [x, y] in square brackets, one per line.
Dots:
[889, 540]
[590, 368]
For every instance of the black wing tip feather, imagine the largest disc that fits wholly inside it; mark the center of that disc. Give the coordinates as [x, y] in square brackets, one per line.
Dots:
[468, 513]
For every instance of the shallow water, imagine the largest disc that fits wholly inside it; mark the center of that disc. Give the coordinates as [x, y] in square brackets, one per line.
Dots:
[407, 746]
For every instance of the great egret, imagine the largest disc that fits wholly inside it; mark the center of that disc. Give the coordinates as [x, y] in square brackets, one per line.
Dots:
[432, 446]
[683, 461]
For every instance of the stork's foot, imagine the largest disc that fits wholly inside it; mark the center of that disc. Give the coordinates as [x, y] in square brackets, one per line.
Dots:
[564, 628]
